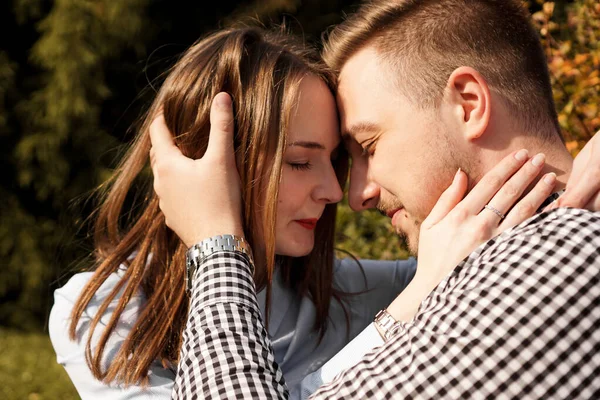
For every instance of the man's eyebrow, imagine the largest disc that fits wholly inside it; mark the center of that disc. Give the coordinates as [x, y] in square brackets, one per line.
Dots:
[308, 145]
[360, 127]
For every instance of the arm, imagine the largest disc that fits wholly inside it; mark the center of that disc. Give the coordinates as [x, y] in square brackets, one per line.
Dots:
[503, 325]
[226, 353]
[366, 341]
[456, 226]
[456, 238]
[448, 236]
[225, 350]
[178, 200]
[380, 281]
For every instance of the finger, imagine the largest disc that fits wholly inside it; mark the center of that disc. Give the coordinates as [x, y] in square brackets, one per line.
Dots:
[492, 181]
[580, 193]
[448, 200]
[160, 137]
[530, 203]
[584, 179]
[221, 125]
[594, 203]
[514, 187]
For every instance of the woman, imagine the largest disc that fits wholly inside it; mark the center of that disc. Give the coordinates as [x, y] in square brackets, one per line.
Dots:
[117, 330]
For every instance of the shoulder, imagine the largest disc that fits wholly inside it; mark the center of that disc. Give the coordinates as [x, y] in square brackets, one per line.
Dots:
[544, 272]
[549, 250]
[570, 223]
[65, 299]
[563, 233]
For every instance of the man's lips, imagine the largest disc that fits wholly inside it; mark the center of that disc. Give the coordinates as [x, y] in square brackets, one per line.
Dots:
[309, 223]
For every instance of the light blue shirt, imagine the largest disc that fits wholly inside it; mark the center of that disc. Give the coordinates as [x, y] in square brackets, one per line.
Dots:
[306, 363]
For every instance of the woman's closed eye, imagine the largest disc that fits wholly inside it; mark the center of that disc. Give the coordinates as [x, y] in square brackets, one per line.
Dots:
[300, 166]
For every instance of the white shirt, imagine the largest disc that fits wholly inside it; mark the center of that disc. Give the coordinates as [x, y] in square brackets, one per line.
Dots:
[306, 363]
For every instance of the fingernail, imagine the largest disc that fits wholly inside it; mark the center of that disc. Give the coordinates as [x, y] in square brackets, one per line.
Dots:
[538, 159]
[223, 101]
[550, 178]
[456, 176]
[521, 155]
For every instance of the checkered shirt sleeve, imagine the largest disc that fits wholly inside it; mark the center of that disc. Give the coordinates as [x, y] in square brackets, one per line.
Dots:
[518, 319]
[226, 353]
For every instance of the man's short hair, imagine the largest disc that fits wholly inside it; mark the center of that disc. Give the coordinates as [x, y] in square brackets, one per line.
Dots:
[424, 41]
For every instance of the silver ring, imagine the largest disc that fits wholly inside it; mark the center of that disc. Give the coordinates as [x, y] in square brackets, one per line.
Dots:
[495, 211]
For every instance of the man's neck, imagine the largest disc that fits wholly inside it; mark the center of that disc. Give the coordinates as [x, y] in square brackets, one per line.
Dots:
[558, 160]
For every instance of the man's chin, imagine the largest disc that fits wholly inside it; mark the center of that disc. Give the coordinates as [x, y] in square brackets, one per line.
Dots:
[411, 237]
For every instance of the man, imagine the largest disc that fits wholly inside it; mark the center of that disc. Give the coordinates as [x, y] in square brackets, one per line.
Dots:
[425, 88]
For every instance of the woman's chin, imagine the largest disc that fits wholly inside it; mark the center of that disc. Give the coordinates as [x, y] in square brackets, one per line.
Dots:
[295, 249]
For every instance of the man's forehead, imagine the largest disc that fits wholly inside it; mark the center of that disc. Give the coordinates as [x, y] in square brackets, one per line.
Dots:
[359, 88]
[364, 66]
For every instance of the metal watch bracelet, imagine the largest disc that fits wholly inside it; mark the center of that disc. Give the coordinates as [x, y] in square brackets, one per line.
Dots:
[385, 324]
[198, 252]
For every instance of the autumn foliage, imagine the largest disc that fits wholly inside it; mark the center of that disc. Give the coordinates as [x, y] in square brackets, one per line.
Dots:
[571, 36]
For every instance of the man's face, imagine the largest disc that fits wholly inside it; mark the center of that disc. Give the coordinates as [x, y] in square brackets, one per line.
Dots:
[407, 152]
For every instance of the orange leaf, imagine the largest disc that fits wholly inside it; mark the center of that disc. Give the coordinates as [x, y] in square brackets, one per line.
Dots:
[572, 145]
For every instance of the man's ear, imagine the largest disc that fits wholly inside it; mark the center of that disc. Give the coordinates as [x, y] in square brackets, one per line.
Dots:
[469, 98]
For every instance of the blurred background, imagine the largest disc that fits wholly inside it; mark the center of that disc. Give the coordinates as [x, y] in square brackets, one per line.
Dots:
[76, 75]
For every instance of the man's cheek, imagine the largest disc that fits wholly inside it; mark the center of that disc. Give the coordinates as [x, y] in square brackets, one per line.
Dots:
[383, 172]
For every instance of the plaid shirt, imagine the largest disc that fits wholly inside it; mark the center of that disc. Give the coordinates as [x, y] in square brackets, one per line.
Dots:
[516, 319]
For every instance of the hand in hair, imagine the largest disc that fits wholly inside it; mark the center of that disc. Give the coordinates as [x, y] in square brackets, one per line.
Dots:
[199, 198]
[583, 187]
[457, 226]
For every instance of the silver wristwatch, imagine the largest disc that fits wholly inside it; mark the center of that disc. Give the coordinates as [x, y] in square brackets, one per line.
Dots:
[385, 323]
[197, 253]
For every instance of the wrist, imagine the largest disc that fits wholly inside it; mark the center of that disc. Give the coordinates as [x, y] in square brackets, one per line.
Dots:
[197, 237]
[198, 252]
[405, 306]
[386, 324]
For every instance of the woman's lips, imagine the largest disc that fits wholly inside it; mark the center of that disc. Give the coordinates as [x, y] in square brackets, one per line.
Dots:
[394, 215]
[309, 224]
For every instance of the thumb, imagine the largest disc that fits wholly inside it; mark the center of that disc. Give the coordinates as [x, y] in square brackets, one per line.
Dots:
[448, 200]
[220, 141]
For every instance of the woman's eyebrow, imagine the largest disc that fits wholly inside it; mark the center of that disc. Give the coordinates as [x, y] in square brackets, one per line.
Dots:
[308, 145]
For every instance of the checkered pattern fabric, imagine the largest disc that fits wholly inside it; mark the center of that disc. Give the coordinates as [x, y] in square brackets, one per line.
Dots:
[226, 353]
[518, 319]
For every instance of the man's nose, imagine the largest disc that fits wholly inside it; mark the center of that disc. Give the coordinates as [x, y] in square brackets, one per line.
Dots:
[363, 193]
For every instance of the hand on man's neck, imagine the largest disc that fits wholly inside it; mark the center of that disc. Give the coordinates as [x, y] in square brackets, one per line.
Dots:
[501, 138]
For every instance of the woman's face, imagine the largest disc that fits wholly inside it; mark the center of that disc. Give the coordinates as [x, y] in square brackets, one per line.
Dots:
[308, 180]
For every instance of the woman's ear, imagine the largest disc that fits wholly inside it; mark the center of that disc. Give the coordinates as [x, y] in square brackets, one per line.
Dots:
[468, 96]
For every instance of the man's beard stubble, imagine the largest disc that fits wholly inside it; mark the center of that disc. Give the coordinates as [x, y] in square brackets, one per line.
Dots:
[411, 237]
[448, 162]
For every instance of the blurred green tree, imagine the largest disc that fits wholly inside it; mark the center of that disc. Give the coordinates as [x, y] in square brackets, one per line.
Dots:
[70, 90]
[54, 140]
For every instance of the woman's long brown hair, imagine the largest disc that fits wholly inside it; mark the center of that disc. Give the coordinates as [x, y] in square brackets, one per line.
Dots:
[262, 71]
